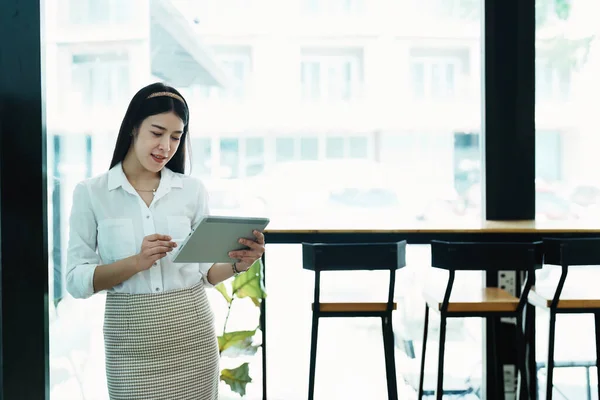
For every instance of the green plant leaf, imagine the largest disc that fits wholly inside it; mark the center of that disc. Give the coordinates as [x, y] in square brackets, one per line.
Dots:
[242, 348]
[223, 290]
[234, 339]
[237, 378]
[250, 284]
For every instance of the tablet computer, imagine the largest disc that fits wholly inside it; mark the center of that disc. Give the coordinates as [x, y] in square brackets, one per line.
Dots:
[215, 236]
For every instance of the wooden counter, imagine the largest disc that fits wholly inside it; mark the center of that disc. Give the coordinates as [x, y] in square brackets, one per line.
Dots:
[421, 233]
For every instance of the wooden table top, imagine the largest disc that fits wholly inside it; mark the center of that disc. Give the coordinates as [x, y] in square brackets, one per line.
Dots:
[467, 227]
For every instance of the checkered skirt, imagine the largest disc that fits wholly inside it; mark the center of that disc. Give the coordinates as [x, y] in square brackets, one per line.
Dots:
[161, 346]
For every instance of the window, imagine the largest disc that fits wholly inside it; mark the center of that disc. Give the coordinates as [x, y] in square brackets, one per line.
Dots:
[328, 76]
[566, 158]
[293, 148]
[230, 158]
[255, 156]
[309, 148]
[335, 147]
[435, 78]
[309, 119]
[96, 12]
[237, 65]
[552, 81]
[202, 157]
[102, 80]
[284, 149]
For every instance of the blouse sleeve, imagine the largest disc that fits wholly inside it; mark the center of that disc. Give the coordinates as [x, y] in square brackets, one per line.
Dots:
[82, 258]
[202, 210]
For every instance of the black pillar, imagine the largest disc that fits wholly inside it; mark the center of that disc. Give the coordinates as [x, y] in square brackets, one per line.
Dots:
[509, 145]
[509, 109]
[23, 216]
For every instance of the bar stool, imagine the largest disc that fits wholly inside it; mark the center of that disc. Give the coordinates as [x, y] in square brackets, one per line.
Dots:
[566, 253]
[319, 257]
[493, 303]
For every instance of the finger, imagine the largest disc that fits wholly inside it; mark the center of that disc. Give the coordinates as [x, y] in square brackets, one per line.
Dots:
[163, 243]
[157, 236]
[237, 254]
[250, 243]
[260, 237]
[159, 249]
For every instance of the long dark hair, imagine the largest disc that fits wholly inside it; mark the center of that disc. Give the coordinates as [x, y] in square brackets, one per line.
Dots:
[140, 108]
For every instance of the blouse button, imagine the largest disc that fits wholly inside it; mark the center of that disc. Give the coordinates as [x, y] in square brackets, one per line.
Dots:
[147, 216]
[157, 289]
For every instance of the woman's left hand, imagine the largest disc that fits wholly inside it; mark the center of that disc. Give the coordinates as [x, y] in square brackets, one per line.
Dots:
[247, 257]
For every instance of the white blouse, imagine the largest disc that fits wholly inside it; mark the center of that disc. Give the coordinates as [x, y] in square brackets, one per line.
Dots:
[109, 221]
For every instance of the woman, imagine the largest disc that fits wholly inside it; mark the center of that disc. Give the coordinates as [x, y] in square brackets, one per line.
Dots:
[159, 337]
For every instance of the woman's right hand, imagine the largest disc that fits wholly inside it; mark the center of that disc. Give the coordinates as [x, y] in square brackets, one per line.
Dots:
[154, 247]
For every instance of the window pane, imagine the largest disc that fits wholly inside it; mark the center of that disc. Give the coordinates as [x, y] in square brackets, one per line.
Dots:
[567, 182]
[335, 147]
[202, 157]
[230, 158]
[255, 156]
[306, 114]
[311, 81]
[359, 147]
[309, 148]
[284, 149]
[567, 61]
[418, 79]
[333, 75]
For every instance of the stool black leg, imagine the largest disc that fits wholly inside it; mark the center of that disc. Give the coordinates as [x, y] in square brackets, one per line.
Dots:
[439, 392]
[597, 319]
[390, 360]
[523, 388]
[313, 356]
[550, 363]
[498, 369]
[423, 351]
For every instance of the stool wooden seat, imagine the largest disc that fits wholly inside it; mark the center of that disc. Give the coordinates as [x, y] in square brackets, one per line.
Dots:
[353, 307]
[477, 300]
[490, 303]
[566, 253]
[570, 298]
[323, 257]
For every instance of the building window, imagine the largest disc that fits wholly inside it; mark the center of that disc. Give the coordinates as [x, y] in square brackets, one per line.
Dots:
[437, 74]
[94, 12]
[433, 79]
[201, 156]
[551, 82]
[255, 156]
[102, 80]
[548, 155]
[334, 147]
[336, 77]
[338, 147]
[309, 148]
[296, 148]
[358, 147]
[230, 158]
[237, 65]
